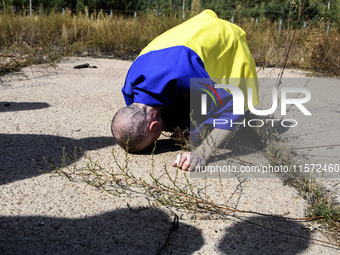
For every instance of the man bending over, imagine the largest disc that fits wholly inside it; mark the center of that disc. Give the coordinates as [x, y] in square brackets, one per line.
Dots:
[157, 85]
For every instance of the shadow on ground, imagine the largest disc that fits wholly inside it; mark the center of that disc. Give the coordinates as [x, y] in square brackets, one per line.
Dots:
[117, 232]
[162, 146]
[22, 155]
[22, 106]
[265, 235]
[144, 232]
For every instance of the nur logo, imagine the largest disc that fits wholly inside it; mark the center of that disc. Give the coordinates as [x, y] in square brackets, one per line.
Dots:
[239, 104]
[204, 98]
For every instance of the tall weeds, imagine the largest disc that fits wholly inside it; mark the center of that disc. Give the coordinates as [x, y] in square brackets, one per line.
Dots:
[314, 47]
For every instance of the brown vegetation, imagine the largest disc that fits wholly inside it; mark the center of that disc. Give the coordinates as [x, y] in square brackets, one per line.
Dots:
[48, 37]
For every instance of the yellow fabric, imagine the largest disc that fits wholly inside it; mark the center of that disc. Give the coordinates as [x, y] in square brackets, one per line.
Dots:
[221, 45]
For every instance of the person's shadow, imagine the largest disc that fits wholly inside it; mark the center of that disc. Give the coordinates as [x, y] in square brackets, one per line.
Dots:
[22, 155]
[265, 235]
[121, 231]
[149, 231]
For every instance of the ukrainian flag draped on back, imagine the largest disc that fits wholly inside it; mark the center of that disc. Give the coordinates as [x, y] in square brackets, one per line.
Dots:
[221, 46]
[203, 47]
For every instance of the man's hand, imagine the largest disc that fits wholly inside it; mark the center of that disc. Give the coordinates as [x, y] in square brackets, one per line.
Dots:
[189, 161]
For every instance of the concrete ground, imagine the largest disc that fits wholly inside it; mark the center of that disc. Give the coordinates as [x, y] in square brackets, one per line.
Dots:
[44, 110]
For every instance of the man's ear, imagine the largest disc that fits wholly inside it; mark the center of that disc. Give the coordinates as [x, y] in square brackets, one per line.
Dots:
[154, 125]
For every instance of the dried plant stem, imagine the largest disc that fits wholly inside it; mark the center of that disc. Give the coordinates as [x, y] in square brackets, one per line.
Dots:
[181, 197]
[163, 194]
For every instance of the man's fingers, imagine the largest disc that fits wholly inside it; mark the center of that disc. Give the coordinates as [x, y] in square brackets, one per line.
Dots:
[183, 159]
[186, 165]
[188, 162]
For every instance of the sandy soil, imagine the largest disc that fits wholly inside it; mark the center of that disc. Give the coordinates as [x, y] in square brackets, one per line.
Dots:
[44, 110]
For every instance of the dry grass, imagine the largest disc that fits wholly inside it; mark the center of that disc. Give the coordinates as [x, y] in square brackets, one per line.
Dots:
[313, 48]
[117, 36]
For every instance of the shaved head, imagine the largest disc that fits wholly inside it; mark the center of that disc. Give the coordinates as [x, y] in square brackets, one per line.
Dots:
[129, 127]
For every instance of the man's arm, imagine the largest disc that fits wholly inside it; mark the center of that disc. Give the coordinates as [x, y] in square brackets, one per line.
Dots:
[190, 160]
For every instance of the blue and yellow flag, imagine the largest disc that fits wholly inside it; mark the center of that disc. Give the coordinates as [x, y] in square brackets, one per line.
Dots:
[202, 47]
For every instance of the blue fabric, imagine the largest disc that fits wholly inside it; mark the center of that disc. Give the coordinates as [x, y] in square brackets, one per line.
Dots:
[159, 77]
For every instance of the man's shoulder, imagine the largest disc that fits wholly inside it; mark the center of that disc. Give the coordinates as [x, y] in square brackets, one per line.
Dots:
[205, 30]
